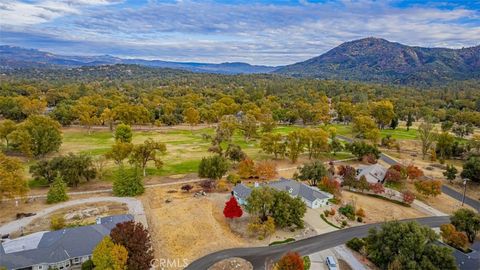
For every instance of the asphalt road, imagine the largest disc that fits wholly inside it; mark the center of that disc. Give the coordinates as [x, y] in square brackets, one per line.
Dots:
[258, 256]
[458, 196]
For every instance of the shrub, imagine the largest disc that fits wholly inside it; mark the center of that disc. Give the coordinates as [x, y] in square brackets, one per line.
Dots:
[290, 261]
[326, 213]
[377, 188]
[359, 219]
[356, 244]
[361, 213]
[57, 222]
[288, 240]
[222, 185]
[348, 211]
[335, 200]
[429, 187]
[408, 197]
[261, 229]
[208, 185]
[306, 263]
[234, 178]
[187, 188]
[332, 212]
[88, 265]
[344, 223]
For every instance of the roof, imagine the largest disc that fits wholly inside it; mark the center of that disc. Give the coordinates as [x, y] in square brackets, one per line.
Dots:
[294, 188]
[373, 173]
[55, 246]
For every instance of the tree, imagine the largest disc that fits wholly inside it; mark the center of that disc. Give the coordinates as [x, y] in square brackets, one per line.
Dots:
[108, 117]
[232, 209]
[377, 188]
[265, 169]
[426, 132]
[414, 172]
[315, 141]
[331, 186]
[248, 125]
[6, 128]
[235, 153]
[294, 145]
[408, 197]
[123, 134]
[452, 237]
[468, 221]
[364, 127]
[290, 261]
[119, 152]
[213, 167]
[128, 183]
[260, 202]
[312, 172]
[471, 169]
[136, 239]
[450, 172]
[267, 123]
[192, 116]
[246, 168]
[272, 143]
[57, 192]
[410, 121]
[12, 180]
[429, 187]
[108, 255]
[394, 123]
[143, 153]
[383, 112]
[286, 210]
[444, 145]
[262, 228]
[86, 114]
[37, 136]
[396, 173]
[57, 222]
[407, 244]
[71, 168]
[362, 149]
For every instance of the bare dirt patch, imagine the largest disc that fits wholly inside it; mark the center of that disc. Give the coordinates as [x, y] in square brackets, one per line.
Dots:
[378, 210]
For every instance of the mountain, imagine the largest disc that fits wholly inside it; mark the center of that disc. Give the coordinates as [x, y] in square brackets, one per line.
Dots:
[16, 57]
[379, 60]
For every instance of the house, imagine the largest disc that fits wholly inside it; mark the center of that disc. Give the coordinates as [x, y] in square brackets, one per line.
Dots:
[373, 173]
[311, 196]
[63, 249]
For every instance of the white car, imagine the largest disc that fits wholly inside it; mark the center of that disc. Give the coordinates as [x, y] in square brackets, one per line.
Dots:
[330, 261]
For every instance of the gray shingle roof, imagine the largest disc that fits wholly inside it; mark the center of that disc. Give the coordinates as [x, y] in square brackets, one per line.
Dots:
[57, 246]
[294, 188]
[373, 173]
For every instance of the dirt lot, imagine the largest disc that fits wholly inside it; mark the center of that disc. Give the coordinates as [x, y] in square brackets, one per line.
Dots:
[9, 211]
[80, 215]
[378, 210]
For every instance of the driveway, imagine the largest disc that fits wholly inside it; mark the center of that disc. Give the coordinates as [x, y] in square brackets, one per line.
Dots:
[312, 218]
[135, 208]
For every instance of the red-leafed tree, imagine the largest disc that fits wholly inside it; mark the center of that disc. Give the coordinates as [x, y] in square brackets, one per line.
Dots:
[377, 188]
[232, 209]
[414, 172]
[408, 197]
[290, 261]
[136, 239]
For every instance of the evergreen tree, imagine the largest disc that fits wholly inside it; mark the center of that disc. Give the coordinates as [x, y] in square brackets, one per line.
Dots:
[57, 192]
[128, 183]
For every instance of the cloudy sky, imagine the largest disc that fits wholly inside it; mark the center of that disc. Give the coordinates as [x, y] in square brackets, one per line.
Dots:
[272, 32]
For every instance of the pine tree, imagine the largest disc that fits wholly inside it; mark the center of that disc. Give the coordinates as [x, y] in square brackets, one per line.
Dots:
[232, 209]
[128, 183]
[57, 192]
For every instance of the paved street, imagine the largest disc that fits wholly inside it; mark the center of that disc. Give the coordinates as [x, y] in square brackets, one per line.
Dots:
[258, 255]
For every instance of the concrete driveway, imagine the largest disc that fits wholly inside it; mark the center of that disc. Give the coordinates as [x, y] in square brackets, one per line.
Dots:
[312, 218]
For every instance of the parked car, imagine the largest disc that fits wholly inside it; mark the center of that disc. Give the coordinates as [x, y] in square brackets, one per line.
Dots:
[331, 264]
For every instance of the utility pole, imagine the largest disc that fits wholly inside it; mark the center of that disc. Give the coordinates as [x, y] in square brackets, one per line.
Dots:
[464, 189]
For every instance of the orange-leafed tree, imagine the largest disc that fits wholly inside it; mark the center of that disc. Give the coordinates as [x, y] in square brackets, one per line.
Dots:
[290, 261]
[232, 209]
[265, 169]
[377, 188]
[408, 197]
[414, 172]
[429, 187]
[246, 168]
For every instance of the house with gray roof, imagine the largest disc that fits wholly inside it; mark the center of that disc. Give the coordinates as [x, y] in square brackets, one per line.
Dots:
[373, 173]
[311, 196]
[63, 249]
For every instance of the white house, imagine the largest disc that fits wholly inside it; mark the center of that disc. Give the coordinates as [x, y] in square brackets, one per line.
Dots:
[311, 196]
[373, 173]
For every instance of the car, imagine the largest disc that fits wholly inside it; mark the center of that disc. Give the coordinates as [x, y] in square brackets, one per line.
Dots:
[331, 264]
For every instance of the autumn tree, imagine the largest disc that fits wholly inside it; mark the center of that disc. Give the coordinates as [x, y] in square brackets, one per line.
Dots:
[108, 255]
[312, 172]
[108, 118]
[248, 126]
[377, 188]
[294, 145]
[265, 169]
[331, 186]
[123, 133]
[6, 128]
[273, 143]
[136, 239]
[444, 145]
[267, 123]
[260, 202]
[414, 172]
[408, 197]
[429, 187]
[232, 209]
[148, 151]
[213, 167]
[426, 132]
[290, 261]
[12, 180]
[86, 114]
[37, 136]
[192, 116]
[452, 237]
[57, 192]
[119, 152]
[315, 141]
[362, 149]
[246, 168]
[468, 221]
[383, 112]
[364, 127]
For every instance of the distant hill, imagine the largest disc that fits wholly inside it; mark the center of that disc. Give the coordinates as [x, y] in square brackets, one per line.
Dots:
[374, 59]
[16, 57]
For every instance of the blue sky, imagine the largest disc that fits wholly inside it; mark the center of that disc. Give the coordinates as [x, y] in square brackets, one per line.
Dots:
[272, 32]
